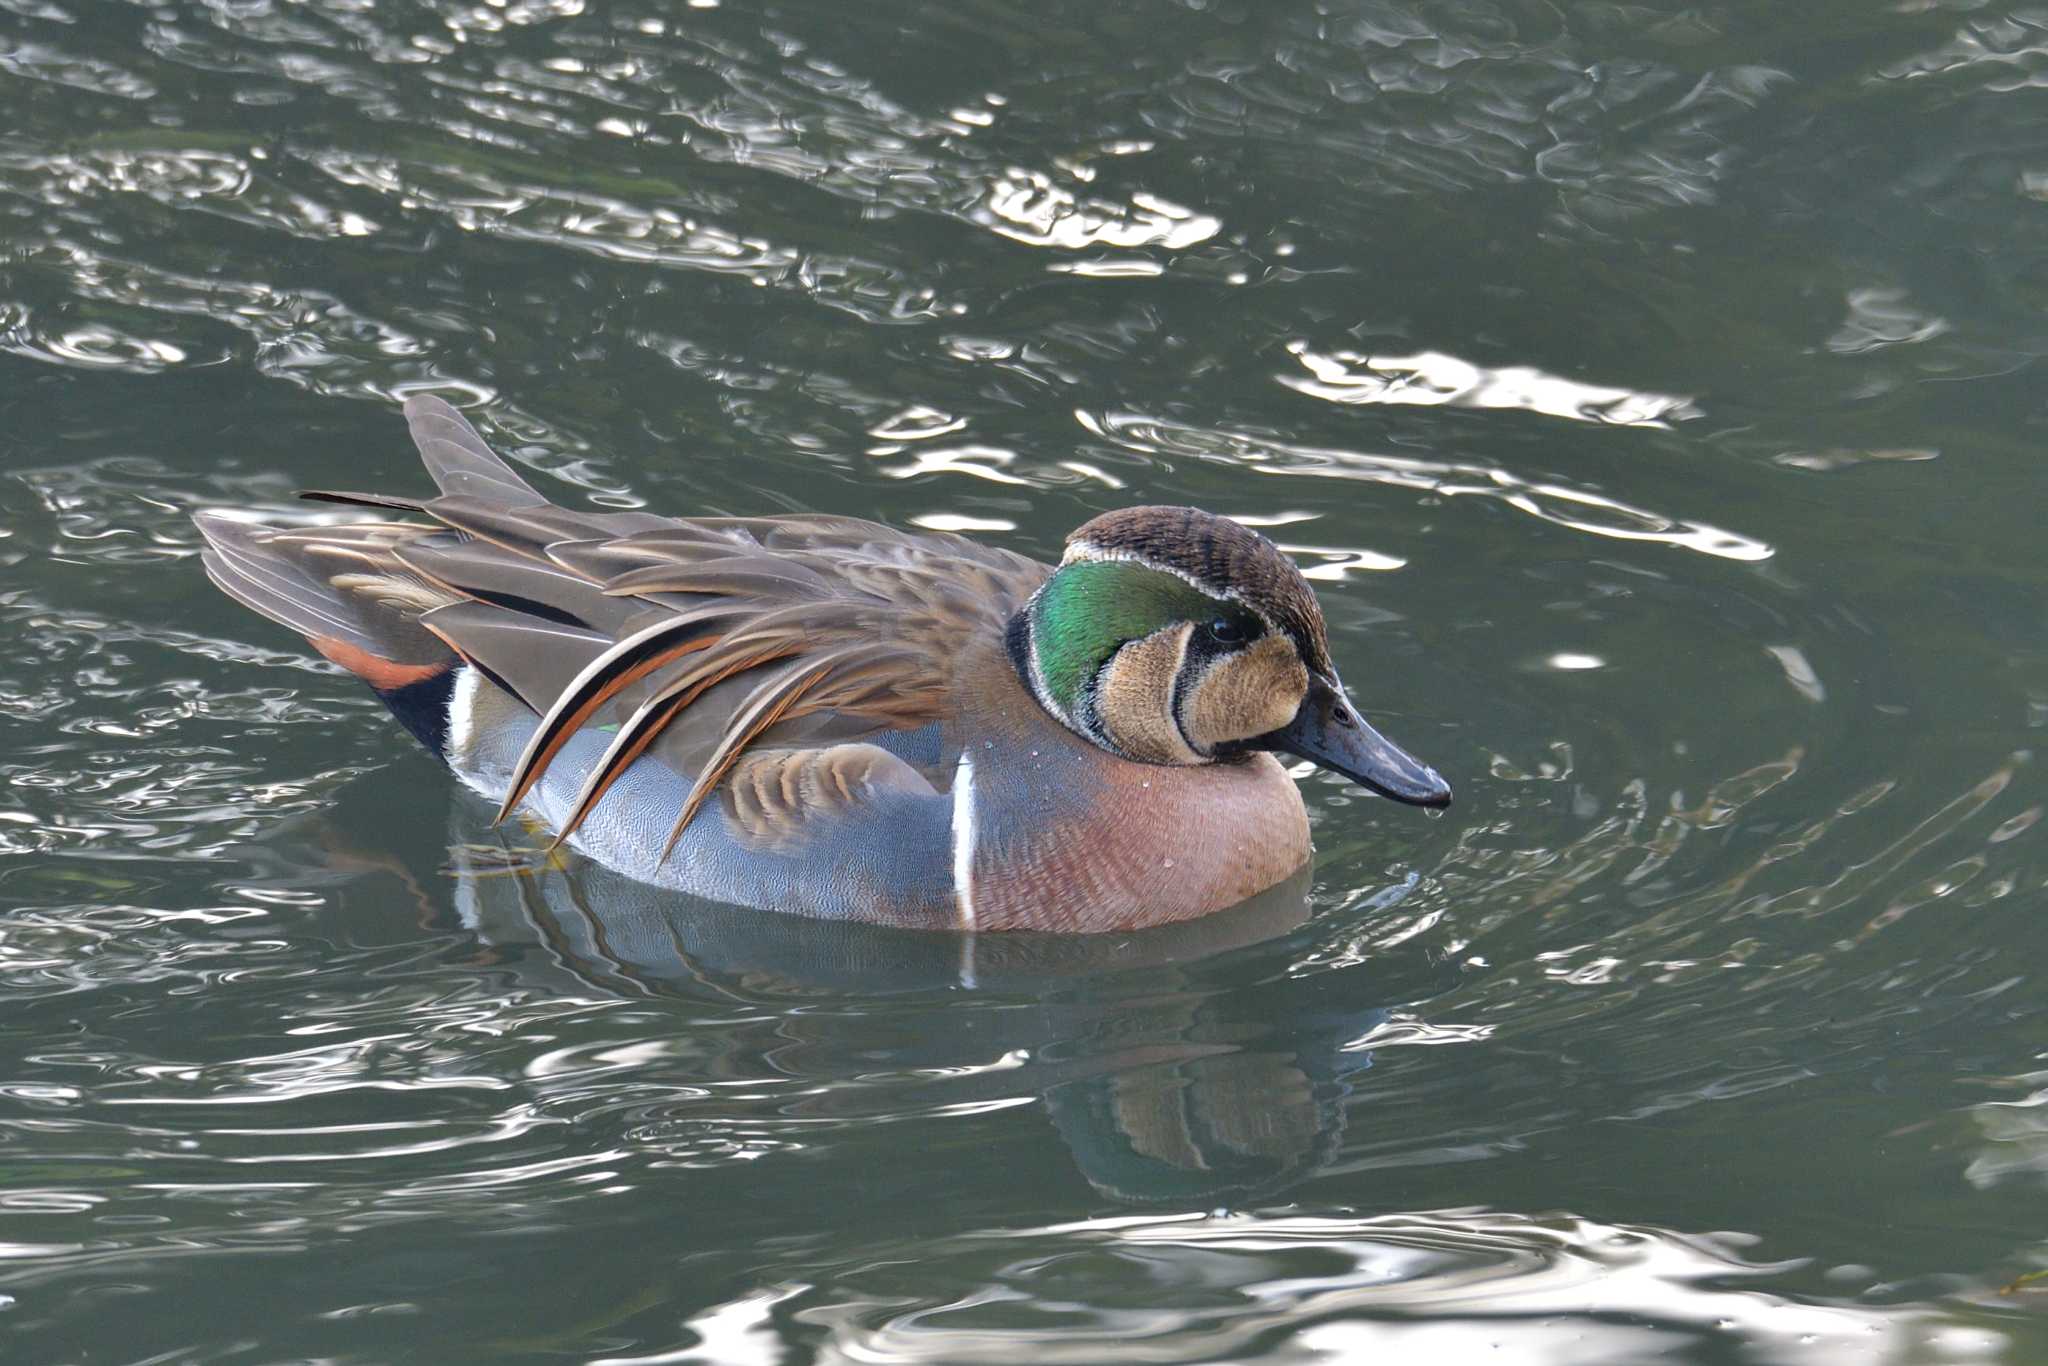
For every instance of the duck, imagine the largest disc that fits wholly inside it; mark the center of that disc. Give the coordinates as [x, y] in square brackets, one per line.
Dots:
[829, 716]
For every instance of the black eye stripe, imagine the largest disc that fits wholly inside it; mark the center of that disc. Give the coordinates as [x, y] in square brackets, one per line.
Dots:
[1209, 642]
[1194, 665]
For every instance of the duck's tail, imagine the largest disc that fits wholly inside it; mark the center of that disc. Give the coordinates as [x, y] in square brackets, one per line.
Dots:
[345, 589]
[342, 589]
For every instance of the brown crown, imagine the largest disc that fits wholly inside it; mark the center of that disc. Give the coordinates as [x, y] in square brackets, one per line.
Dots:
[1225, 558]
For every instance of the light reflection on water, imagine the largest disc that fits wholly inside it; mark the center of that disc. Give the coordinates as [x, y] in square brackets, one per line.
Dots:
[1432, 379]
[576, 1041]
[1704, 1027]
[1447, 1285]
[1572, 508]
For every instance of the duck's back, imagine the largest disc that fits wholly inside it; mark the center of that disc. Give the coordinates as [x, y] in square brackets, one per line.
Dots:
[754, 709]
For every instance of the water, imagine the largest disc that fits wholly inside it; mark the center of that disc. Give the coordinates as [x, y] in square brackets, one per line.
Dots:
[1654, 394]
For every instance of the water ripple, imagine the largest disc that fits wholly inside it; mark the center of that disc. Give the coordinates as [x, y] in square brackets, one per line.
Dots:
[1432, 379]
[305, 1059]
[1027, 206]
[1548, 501]
[40, 62]
[619, 230]
[1454, 1284]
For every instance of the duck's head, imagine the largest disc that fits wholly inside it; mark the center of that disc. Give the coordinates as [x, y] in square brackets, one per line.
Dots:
[1171, 636]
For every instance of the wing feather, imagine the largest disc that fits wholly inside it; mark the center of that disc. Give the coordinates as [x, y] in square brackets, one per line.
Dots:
[767, 705]
[624, 662]
[731, 576]
[536, 587]
[530, 657]
[648, 722]
[457, 457]
[333, 583]
[779, 796]
[703, 639]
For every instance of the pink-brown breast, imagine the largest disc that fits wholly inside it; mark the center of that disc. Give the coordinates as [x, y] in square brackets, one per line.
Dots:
[1071, 837]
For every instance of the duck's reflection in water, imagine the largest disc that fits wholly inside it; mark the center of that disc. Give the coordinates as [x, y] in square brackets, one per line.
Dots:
[1187, 1063]
[1162, 1084]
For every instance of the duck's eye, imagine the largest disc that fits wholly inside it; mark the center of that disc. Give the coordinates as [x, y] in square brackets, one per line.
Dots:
[1224, 631]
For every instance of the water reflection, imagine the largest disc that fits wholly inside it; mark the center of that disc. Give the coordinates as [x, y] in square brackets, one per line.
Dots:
[1163, 1082]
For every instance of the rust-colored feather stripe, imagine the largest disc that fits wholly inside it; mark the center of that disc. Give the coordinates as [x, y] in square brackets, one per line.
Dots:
[763, 708]
[631, 742]
[624, 663]
[646, 724]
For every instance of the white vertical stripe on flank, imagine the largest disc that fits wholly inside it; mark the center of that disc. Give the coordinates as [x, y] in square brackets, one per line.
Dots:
[462, 716]
[963, 839]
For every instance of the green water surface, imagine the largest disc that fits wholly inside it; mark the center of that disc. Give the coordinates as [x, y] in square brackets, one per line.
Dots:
[1655, 394]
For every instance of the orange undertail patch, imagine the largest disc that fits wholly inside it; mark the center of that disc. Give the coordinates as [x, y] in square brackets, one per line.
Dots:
[381, 674]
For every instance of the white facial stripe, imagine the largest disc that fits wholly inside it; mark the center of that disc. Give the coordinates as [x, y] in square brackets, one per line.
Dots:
[1034, 673]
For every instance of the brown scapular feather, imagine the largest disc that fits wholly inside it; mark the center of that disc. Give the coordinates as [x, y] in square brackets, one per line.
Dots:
[647, 724]
[639, 731]
[632, 659]
[852, 627]
[779, 794]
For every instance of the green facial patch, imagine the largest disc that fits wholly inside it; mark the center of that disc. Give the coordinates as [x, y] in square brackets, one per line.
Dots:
[1089, 610]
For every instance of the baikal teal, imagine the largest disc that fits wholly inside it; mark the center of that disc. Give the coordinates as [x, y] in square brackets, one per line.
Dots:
[1654, 395]
[832, 717]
